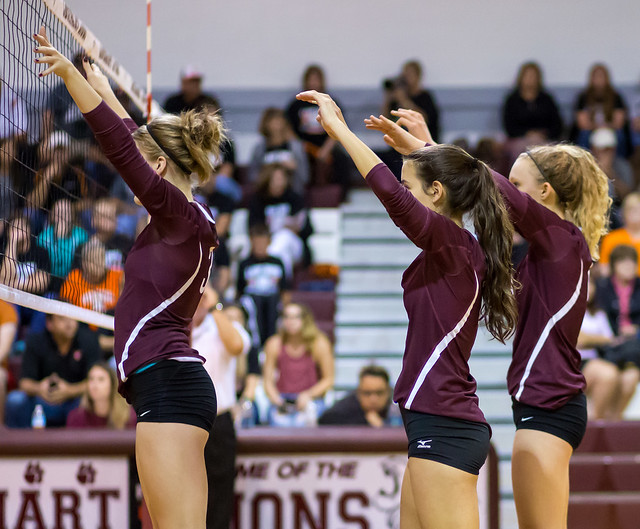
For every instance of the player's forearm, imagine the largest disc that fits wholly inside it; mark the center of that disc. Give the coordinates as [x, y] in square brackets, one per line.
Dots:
[363, 157]
[85, 97]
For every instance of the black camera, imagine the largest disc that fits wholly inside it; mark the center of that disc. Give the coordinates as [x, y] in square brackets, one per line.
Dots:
[393, 83]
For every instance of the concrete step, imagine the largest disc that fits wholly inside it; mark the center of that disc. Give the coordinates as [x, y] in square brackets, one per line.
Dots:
[370, 310]
[395, 253]
[354, 281]
[381, 339]
[370, 226]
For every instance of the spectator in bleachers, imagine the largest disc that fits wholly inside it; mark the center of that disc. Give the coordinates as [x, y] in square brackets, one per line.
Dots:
[635, 136]
[283, 210]
[298, 369]
[609, 386]
[190, 96]
[61, 113]
[618, 169]
[8, 197]
[628, 234]
[61, 238]
[24, 264]
[279, 145]
[8, 329]
[530, 115]
[94, 285]
[369, 405]
[329, 162]
[262, 282]
[248, 374]
[222, 342]
[101, 405]
[601, 106]
[57, 178]
[619, 297]
[406, 91]
[104, 223]
[55, 365]
[13, 113]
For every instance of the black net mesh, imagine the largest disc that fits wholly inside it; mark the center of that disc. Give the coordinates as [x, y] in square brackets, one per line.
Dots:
[66, 219]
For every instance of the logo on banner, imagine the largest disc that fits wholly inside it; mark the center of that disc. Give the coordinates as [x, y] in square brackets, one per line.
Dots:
[387, 499]
[33, 473]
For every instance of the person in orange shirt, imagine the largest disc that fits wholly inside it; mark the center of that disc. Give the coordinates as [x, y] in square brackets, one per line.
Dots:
[94, 286]
[8, 328]
[629, 234]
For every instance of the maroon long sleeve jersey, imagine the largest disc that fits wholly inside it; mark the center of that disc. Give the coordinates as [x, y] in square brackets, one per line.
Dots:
[168, 266]
[545, 369]
[442, 297]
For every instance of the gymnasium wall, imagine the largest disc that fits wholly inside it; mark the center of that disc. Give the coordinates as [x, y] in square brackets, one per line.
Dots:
[462, 43]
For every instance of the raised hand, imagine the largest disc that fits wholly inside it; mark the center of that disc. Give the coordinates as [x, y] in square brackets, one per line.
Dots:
[57, 62]
[415, 123]
[394, 135]
[98, 81]
[329, 114]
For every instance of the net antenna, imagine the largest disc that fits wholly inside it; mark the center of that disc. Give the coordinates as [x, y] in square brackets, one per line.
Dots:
[40, 155]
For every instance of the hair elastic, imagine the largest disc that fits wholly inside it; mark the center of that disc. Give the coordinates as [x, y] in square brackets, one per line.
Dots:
[562, 200]
[172, 156]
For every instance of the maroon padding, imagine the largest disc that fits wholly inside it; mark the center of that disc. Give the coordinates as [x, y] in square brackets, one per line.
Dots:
[326, 196]
[602, 436]
[588, 476]
[322, 304]
[623, 437]
[589, 515]
[625, 475]
[628, 514]
[605, 472]
[604, 511]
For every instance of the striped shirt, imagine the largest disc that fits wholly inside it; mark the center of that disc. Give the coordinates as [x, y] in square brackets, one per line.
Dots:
[545, 369]
[169, 264]
[441, 293]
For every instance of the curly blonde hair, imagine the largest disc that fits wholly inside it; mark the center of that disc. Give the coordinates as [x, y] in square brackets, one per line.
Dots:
[190, 137]
[581, 186]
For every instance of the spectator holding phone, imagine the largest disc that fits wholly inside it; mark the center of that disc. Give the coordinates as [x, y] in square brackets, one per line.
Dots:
[55, 367]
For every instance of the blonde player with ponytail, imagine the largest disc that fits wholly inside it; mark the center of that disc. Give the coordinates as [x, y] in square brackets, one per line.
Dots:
[558, 200]
[165, 275]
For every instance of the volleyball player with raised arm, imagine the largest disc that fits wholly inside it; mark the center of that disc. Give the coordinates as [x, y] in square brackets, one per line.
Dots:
[165, 274]
[455, 281]
[558, 200]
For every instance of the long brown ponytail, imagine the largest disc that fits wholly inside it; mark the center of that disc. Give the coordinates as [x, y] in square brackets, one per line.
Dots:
[471, 189]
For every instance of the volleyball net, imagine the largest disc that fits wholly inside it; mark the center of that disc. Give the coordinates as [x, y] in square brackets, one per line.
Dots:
[67, 220]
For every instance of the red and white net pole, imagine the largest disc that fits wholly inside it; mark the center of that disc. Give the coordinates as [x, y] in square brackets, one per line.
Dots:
[149, 96]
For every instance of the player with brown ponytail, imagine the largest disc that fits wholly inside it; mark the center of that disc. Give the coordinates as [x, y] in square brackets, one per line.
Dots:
[454, 281]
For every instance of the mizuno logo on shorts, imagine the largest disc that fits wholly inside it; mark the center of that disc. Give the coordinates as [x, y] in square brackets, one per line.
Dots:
[423, 444]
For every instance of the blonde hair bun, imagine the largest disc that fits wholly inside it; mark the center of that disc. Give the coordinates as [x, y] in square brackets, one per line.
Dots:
[202, 133]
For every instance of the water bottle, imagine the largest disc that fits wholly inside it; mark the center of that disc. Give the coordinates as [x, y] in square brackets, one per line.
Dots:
[246, 417]
[38, 419]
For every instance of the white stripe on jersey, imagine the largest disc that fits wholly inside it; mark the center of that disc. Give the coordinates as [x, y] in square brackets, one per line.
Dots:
[441, 347]
[547, 330]
[206, 213]
[155, 312]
